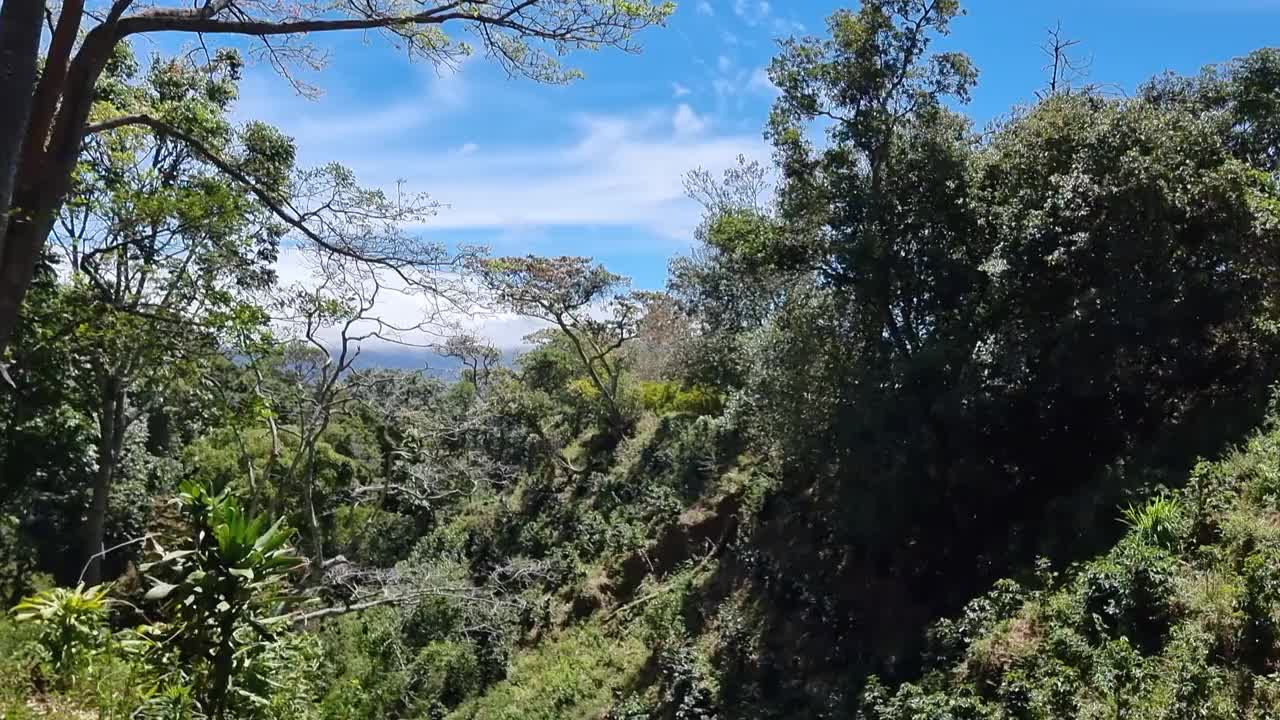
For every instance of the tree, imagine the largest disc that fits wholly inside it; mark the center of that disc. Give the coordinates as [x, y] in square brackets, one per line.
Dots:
[1242, 97]
[565, 291]
[477, 356]
[52, 95]
[975, 339]
[162, 251]
[325, 325]
[872, 79]
[731, 282]
[1063, 68]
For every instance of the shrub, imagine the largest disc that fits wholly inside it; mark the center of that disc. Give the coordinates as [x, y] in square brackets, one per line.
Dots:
[1159, 522]
[668, 397]
[1128, 594]
[71, 625]
[220, 593]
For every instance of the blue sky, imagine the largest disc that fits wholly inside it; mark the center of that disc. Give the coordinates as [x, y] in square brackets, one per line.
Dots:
[595, 168]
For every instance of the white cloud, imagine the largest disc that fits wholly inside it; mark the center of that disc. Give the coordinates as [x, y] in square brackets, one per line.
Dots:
[330, 121]
[687, 122]
[396, 118]
[752, 12]
[506, 330]
[704, 8]
[446, 87]
[783, 26]
[678, 90]
[412, 322]
[725, 87]
[760, 81]
[724, 63]
[621, 171]
[734, 86]
[759, 12]
[611, 174]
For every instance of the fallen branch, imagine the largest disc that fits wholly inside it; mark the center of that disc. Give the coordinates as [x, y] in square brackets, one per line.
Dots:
[300, 619]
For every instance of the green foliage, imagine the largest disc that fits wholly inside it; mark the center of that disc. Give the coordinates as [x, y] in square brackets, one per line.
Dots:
[1158, 523]
[669, 397]
[1128, 593]
[932, 338]
[573, 676]
[377, 537]
[71, 625]
[220, 593]
[415, 664]
[560, 291]
[1156, 628]
[932, 357]
[208, 653]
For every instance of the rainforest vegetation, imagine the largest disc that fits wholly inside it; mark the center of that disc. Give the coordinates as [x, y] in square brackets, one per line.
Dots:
[934, 421]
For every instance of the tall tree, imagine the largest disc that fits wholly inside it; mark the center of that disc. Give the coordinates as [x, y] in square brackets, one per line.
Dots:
[477, 355]
[565, 292]
[979, 337]
[47, 117]
[162, 251]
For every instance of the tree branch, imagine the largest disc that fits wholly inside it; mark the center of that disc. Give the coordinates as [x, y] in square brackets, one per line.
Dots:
[266, 198]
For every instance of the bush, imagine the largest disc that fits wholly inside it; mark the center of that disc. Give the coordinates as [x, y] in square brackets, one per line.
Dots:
[1159, 522]
[668, 397]
[1129, 593]
[373, 537]
[70, 626]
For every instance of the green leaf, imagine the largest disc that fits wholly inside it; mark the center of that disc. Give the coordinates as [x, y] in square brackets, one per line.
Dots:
[160, 591]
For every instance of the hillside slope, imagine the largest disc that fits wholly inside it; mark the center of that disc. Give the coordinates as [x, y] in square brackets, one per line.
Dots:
[1181, 619]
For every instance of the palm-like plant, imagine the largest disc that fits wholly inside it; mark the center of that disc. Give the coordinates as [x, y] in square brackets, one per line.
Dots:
[71, 622]
[218, 592]
[1158, 523]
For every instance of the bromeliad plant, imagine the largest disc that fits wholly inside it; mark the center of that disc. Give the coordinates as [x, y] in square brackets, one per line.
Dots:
[220, 594]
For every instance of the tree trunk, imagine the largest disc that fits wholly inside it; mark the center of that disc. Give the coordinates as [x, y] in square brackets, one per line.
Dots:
[19, 50]
[41, 180]
[24, 238]
[110, 440]
[313, 524]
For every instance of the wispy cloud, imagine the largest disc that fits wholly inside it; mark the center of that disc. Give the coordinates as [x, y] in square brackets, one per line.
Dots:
[704, 8]
[621, 170]
[687, 122]
[761, 13]
[404, 320]
[752, 12]
[734, 85]
[615, 175]
[760, 82]
[434, 93]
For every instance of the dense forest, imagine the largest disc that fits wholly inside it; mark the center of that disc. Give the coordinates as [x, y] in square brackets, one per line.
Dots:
[934, 421]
